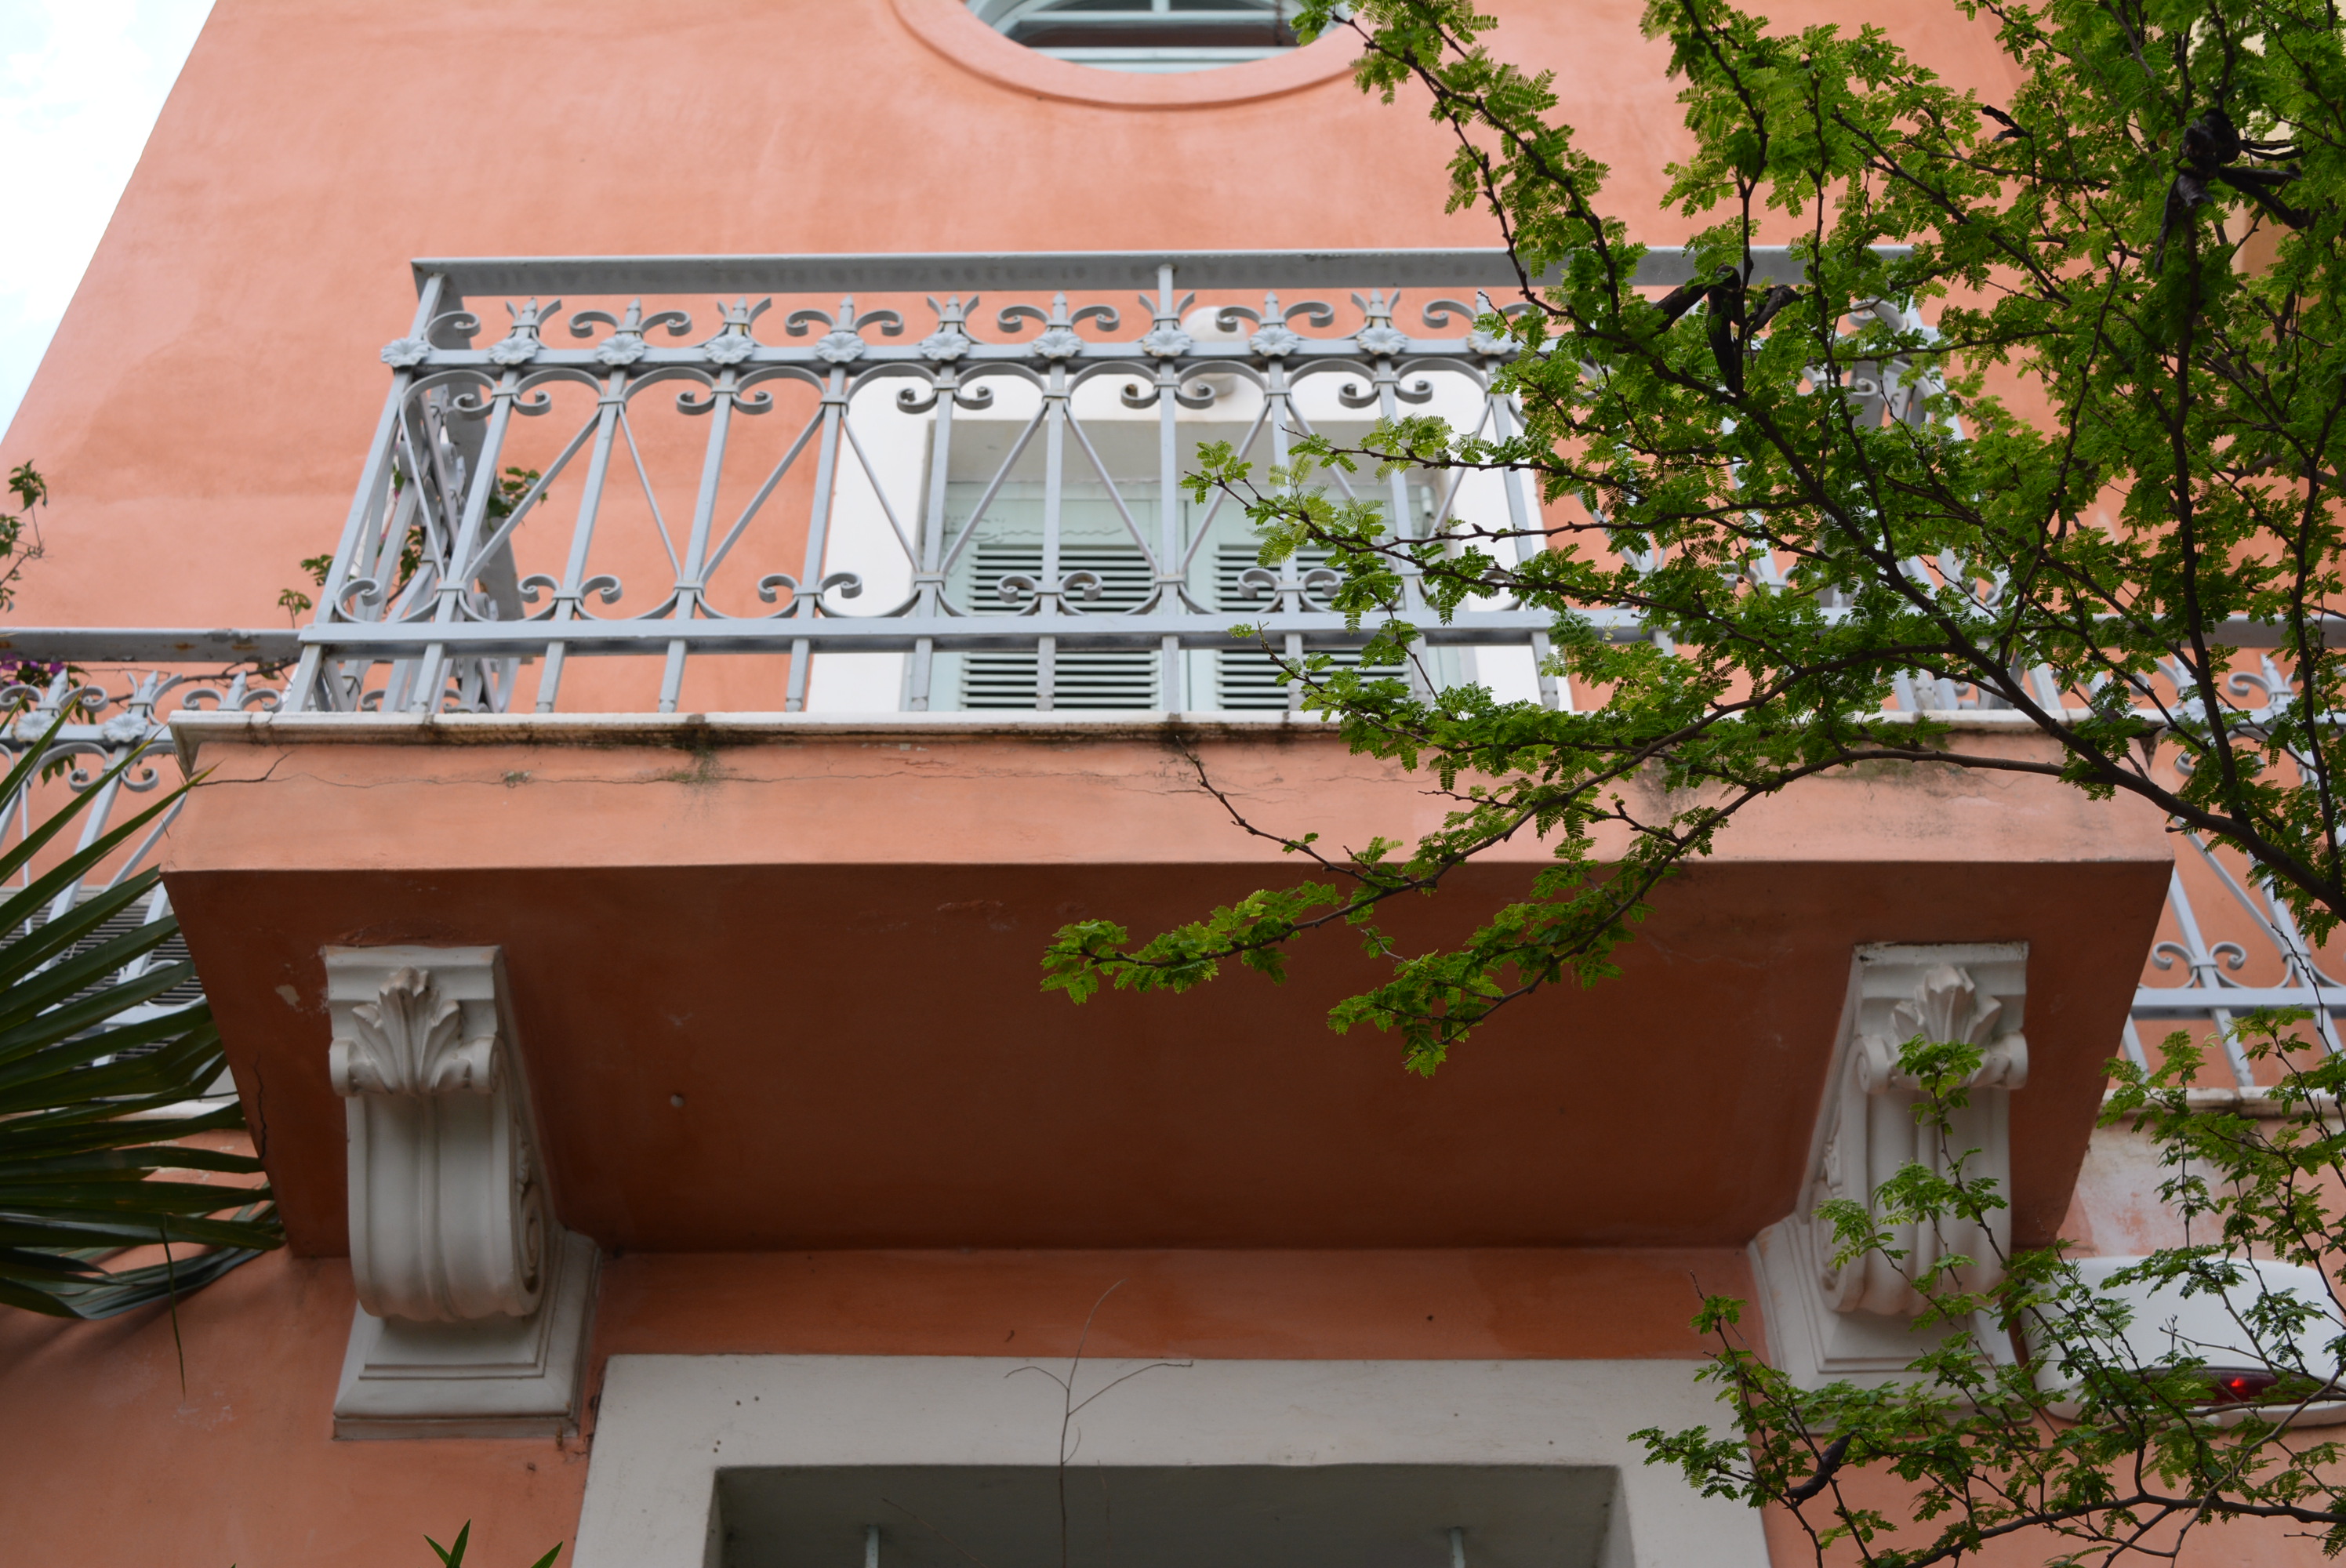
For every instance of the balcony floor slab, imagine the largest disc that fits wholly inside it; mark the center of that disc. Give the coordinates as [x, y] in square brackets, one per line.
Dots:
[778, 987]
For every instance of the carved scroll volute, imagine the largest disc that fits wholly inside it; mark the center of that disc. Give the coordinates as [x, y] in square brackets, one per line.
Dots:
[447, 1215]
[1969, 994]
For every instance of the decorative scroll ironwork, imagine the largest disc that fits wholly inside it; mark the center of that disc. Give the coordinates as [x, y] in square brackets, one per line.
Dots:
[1029, 417]
[104, 728]
[2231, 928]
[943, 499]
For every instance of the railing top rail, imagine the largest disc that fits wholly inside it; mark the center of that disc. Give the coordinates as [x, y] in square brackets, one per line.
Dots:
[152, 645]
[236, 646]
[1075, 269]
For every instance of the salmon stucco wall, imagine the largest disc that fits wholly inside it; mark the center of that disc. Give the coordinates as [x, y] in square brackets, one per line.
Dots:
[203, 412]
[201, 418]
[109, 1463]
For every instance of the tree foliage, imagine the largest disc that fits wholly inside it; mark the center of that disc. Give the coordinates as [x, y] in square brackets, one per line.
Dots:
[2108, 1442]
[2098, 491]
[2109, 467]
[20, 531]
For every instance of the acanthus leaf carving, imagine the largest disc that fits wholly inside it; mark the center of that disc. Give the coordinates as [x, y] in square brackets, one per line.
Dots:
[1860, 1319]
[1870, 1128]
[1870, 1132]
[1946, 1006]
[412, 1040]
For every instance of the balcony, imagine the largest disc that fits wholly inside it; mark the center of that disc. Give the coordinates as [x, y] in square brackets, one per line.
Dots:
[987, 515]
[767, 684]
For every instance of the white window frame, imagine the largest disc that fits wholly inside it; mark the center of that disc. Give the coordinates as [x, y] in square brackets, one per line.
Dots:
[668, 1424]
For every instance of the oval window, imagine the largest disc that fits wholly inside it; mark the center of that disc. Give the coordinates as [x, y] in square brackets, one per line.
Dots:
[1146, 34]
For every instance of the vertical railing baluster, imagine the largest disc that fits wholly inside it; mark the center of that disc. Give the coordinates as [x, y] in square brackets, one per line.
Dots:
[1528, 544]
[1170, 693]
[95, 817]
[688, 585]
[1049, 597]
[373, 476]
[341, 683]
[2297, 955]
[2280, 929]
[826, 482]
[1291, 595]
[1387, 380]
[481, 489]
[384, 503]
[928, 599]
[2205, 974]
[569, 598]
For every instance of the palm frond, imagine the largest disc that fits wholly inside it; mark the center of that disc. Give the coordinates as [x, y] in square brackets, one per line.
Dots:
[94, 1112]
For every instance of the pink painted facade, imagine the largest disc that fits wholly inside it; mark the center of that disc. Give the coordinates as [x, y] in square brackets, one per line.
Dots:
[769, 976]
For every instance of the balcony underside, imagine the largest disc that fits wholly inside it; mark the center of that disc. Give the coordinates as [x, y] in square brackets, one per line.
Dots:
[825, 942]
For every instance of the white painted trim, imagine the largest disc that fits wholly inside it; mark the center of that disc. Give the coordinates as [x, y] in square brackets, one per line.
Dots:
[668, 1424]
[1814, 1345]
[447, 1206]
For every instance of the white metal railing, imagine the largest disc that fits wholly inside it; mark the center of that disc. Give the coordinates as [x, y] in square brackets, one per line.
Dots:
[2247, 928]
[989, 512]
[113, 742]
[612, 508]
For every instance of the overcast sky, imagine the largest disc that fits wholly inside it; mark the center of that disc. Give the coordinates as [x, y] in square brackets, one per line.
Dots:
[81, 81]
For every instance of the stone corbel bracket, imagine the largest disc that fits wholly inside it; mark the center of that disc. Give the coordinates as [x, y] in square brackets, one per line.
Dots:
[473, 1304]
[1856, 1322]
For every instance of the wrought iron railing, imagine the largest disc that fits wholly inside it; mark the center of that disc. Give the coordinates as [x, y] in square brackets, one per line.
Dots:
[2238, 949]
[113, 741]
[612, 508]
[969, 494]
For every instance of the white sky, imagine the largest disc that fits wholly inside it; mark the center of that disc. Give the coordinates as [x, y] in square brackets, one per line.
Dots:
[81, 81]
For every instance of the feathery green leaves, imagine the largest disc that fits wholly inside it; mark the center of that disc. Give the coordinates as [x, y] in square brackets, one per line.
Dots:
[1766, 518]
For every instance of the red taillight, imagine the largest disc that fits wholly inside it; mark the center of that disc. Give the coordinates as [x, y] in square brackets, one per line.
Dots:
[2241, 1388]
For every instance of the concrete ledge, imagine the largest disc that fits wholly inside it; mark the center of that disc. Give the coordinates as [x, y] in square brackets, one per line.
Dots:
[192, 728]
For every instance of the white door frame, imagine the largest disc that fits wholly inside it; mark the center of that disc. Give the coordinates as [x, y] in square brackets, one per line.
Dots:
[666, 1425]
